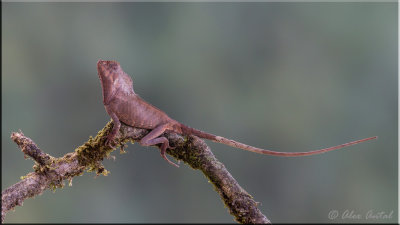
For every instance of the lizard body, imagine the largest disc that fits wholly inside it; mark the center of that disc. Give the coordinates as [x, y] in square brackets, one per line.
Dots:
[123, 104]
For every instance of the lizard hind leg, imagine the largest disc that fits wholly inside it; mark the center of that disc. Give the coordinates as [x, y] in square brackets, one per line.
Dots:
[153, 139]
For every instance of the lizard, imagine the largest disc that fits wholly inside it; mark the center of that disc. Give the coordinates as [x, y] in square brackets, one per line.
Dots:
[124, 105]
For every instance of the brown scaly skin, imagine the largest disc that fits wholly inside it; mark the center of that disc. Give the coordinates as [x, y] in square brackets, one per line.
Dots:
[122, 104]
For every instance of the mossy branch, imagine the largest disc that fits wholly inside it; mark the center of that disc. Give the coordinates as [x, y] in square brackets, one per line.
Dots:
[51, 172]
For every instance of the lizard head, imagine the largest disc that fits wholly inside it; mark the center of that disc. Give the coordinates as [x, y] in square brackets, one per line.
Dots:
[113, 79]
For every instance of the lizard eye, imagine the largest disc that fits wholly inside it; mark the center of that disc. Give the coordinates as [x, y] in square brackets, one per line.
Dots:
[112, 65]
[108, 65]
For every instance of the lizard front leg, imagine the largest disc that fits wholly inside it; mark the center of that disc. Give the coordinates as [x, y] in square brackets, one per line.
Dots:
[111, 136]
[153, 138]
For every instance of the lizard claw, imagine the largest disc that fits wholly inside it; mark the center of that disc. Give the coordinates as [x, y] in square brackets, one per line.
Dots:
[110, 142]
[169, 161]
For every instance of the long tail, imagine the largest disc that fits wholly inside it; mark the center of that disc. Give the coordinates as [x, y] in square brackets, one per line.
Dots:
[235, 144]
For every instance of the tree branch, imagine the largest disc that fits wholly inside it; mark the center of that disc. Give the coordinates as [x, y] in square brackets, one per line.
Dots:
[51, 172]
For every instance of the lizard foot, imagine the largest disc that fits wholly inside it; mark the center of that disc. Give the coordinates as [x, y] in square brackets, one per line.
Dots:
[162, 151]
[110, 142]
[169, 161]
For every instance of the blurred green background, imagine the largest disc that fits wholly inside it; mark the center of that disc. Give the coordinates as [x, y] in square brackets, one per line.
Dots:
[283, 76]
